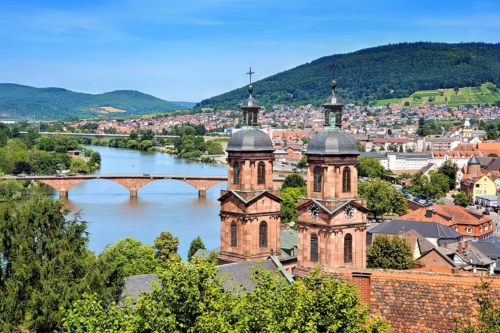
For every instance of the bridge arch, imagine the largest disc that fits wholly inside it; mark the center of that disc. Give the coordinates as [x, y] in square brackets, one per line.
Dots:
[132, 183]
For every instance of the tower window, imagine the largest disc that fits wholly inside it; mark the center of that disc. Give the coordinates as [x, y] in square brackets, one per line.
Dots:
[261, 173]
[263, 234]
[317, 179]
[314, 247]
[234, 234]
[346, 180]
[348, 248]
[236, 173]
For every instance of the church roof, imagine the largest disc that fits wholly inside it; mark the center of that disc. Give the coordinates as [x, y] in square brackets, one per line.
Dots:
[250, 140]
[250, 102]
[332, 143]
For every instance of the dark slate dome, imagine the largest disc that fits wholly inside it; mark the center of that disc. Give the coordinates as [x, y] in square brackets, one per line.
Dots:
[332, 143]
[250, 140]
[250, 103]
[333, 100]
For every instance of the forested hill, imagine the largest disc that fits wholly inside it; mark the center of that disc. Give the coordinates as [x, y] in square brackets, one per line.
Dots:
[391, 71]
[17, 101]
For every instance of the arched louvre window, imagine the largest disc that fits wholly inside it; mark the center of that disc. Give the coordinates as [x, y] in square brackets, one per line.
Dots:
[236, 173]
[348, 248]
[234, 234]
[263, 234]
[346, 180]
[261, 173]
[318, 177]
[314, 247]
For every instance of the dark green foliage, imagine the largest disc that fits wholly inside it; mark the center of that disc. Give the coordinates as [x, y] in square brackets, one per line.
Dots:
[166, 246]
[381, 198]
[4, 134]
[46, 265]
[390, 71]
[135, 257]
[195, 245]
[371, 167]
[191, 299]
[302, 162]
[293, 180]
[389, 253]
[449, 169]
[55, 103]
[461, 199]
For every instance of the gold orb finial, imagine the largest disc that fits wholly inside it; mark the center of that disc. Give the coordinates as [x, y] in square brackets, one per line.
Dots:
[250, 89]
[333, 84]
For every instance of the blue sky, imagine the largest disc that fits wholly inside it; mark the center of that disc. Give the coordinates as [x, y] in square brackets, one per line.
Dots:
[186, 50]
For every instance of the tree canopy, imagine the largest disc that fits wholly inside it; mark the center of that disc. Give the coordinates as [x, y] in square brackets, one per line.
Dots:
[191, 298]
[381, 198]
[389, 252]
[371, 167]
[45, 265]
[195, 245]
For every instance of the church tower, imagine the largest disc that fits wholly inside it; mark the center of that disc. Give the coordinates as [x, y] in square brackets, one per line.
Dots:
[250, 208]
[331, 219]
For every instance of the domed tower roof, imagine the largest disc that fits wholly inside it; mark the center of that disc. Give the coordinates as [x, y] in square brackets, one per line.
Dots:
[250, 140]
[332, 143]
[473, 160]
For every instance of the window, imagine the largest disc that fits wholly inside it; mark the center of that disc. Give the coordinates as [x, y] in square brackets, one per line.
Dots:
[236, 173]
[314, 247]
[261, 173]
[263, 234]
[485, 227]
[234, 234]
[317, 179]
[468, 230]
[348, 248]
[346, 180]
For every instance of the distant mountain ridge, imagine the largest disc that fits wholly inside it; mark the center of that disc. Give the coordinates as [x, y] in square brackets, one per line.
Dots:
[19, 101]
[378, 73]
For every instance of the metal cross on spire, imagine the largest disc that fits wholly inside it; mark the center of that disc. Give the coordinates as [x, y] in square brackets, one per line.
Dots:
[250, 73]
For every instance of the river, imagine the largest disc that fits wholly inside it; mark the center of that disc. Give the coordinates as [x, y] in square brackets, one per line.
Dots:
[163, 205]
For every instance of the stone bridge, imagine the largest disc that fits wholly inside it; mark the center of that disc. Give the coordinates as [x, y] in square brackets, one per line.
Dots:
[131, 182]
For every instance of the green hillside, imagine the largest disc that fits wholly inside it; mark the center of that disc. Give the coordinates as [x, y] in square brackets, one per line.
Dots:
[380, 73]
[17, 101]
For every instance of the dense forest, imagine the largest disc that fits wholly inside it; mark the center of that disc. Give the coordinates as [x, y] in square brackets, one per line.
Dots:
[384, 72]
[17, 101]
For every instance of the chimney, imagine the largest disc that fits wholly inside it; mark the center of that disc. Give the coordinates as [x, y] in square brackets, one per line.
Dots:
[460, 247]
[445, 245]
[428, 213]
[466, 244]
[402, 231]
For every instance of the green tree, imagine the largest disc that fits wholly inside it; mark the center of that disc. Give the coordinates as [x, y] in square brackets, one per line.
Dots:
[46, 265]
[78, 164]
[389, 253]
[187, 130]
[461, 199]
[492, 155]
[421, 130]
[289, 197]
[135, 257]
[96, 156]
[46, 143]
[361, 148]
[11, 189]
[380, 197]
[195, 245]
[214, 147]
[145, 144]
[191, 298]
[449, 168]
[4, 134]
[371, 167]
[166, 246]
[302, 162]
[293, 180]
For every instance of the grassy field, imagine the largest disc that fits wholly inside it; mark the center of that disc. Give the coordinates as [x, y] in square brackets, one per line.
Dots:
[487, 93]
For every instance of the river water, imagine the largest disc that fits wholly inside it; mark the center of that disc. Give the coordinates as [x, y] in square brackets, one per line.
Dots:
[162, 205]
